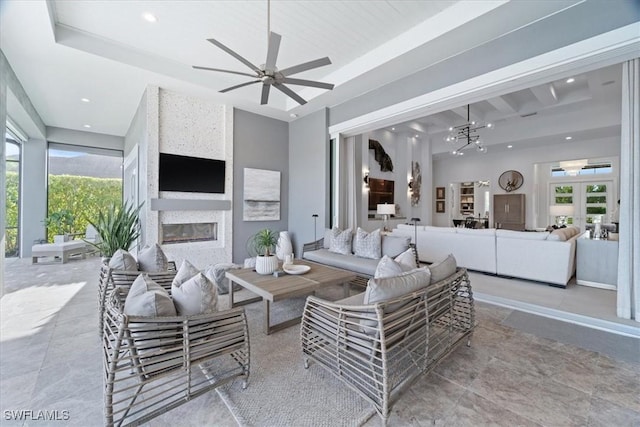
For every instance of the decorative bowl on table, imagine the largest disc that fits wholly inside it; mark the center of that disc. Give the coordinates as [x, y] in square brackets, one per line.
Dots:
[295, 268]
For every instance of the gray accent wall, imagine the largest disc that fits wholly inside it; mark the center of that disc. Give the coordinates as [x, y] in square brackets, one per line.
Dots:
[259, 142]
[33, 200]
[309, 188]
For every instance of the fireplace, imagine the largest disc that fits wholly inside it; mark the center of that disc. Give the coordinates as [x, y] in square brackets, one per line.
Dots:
[190, 232]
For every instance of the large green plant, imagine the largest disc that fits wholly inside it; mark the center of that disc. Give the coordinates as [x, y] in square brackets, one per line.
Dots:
[264, 241]
[118, 227]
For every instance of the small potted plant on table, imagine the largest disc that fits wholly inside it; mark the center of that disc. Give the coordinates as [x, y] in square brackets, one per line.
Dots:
[264, 241]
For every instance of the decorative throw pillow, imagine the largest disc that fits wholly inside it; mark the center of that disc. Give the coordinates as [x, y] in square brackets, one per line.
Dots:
[152, 259]
[386, 288]
[148, 299]
[367, 245]
[328, 235]
[184, 273]
[443, 269]
[395, 245]
[123, 260]
[407, 258]
[340, 241]
[388, 267]
[197, 295]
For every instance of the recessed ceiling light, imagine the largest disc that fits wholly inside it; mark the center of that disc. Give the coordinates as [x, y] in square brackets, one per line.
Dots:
[509, 146]
[293, 115]
[571, 80]
[149, 17]
[568, 138]
[417, 136]
[85, 100]
[393, 128]
[87, 126]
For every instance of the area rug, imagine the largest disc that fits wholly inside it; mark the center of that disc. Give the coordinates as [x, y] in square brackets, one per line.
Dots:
[281, 392]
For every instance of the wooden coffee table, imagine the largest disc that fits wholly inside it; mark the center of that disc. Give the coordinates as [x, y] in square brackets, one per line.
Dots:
[271, 289]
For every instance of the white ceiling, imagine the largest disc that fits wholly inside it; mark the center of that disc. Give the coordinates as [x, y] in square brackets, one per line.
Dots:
[63, 51]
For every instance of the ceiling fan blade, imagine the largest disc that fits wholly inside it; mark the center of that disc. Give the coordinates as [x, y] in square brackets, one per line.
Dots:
[272, 54]
[239, 86]
[306, 66]
[311, 83]
[197, 67]
[282, 88]
[265, 94]
[235, 55]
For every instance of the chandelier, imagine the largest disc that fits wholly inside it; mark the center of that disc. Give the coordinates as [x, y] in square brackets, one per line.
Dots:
[466, 136]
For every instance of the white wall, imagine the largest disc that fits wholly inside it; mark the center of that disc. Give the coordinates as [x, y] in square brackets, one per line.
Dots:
[33, 200]
[490, 166]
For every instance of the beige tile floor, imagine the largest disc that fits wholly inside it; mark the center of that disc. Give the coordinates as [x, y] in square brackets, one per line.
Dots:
[50, 360]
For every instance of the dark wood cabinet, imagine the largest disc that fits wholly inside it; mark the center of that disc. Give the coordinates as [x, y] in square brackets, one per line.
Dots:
[509, 211]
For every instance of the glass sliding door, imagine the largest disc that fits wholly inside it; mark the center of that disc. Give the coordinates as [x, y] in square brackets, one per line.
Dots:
[82, 181]
[12, 200]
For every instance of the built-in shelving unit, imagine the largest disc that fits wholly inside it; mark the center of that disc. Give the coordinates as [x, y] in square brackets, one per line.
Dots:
[467, 199]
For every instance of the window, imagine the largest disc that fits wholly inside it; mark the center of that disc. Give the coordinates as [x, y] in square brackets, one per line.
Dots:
[587, 170]
[84, 181]
[12, 198]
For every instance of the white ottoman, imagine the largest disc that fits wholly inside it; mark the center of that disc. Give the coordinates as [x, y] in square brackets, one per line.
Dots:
[61, 250]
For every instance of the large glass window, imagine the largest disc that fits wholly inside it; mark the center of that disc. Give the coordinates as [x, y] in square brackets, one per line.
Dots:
[82, 181]
[12, 201]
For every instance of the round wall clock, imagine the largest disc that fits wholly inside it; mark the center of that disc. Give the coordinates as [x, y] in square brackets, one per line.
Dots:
[510, 180]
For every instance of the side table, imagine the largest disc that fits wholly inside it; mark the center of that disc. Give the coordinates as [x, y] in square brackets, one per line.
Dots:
[597, 263]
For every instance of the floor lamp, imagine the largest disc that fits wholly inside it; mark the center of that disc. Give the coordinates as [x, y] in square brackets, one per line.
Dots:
[315, 228]
[415, 231]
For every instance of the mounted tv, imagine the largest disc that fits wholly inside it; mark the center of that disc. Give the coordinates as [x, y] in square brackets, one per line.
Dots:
[380, 192]
[191, 174]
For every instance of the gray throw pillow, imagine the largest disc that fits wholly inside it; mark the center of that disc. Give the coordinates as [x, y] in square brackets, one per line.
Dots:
[385, 288]
[395, 245]
[123, 260]
[367, 245]
[407, 258]
[197, 295]
[388, 267]
[340, 241]
[148, 299]
[152, 259]
[442, 269]
[184, 273]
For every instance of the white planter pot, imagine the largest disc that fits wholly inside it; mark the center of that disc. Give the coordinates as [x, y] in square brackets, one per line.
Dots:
[284, 247]
[266, 264]
[61, 238]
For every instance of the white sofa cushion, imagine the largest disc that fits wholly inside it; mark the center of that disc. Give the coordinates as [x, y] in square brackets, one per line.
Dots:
[563, 234]
[389, 267]
[439, 229]
[523, 235]
[385, 288]
[148, 299]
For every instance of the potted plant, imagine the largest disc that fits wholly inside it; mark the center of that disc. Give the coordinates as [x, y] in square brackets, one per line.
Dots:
[264, 242]
[61, 223]
[118, 227]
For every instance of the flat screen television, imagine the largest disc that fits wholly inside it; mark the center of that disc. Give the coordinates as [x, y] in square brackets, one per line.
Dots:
[191, 174]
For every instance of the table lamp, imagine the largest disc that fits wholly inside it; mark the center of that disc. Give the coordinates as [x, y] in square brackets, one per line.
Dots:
[561, 212]
[385, 210]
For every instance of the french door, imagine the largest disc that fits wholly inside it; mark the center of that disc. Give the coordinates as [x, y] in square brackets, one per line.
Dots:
[588, 199]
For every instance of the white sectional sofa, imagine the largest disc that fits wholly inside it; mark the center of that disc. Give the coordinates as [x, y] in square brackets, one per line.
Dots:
[540, 256]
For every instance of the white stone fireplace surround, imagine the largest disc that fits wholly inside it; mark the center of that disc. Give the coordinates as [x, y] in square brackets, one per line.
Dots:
[187, 126]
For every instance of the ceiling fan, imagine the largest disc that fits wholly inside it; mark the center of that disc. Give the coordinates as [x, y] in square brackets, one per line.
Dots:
[268, 73]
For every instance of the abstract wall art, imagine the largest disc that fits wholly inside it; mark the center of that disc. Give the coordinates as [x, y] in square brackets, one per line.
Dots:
[261, 199]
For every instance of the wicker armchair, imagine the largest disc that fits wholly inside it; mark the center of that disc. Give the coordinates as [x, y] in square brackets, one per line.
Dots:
[110, 279]
[379, 349]
[154, 364]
